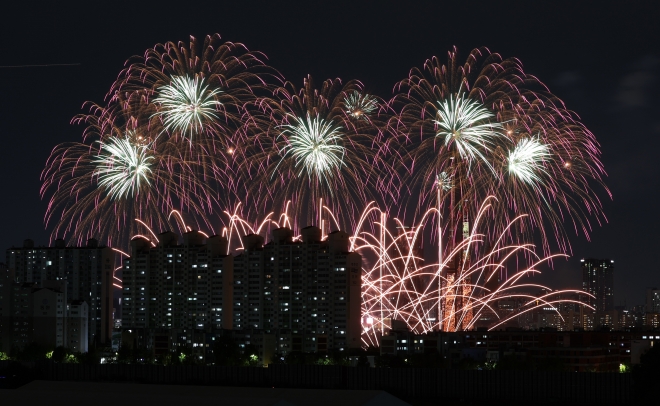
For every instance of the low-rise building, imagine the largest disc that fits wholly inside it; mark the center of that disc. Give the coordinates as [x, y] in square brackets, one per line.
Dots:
[40, 313]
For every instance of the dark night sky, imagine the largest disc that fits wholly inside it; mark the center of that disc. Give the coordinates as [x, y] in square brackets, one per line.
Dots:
[602, 58]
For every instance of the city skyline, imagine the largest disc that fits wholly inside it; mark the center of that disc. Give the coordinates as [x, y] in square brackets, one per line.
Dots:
[568, 77]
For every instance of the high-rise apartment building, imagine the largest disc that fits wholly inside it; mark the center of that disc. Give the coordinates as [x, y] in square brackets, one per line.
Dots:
[86, 271]
[296, 295]
[598, 280]
[653, 300]
[170, 288]
[305, 292]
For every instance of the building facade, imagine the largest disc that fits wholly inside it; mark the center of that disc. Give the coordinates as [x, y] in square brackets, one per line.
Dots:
[307, 292]
[77, 319]
[171, 290]
[598, 280]
[653, 300]
[294, 295]
[86, 271]
[47, 321]
[6, 279]
[580, 351]
[41, 314]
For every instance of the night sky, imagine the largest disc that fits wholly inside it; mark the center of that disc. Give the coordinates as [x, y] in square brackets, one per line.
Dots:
[602, 58]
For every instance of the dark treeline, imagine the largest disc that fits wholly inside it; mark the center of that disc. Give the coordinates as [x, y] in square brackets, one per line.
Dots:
[226, 352]
[349, 371]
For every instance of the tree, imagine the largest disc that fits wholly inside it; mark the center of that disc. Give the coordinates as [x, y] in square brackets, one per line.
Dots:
[226, 351]
[389, 361]
[363, 361]
[250, 356]
[32, 352]
[59, 354]
[125, 354]
[91, 357]
[514, 362]
[646, 375]
[278, 358]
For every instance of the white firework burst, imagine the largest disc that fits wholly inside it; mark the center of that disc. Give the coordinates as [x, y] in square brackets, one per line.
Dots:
[469, 126]
[186, 104]
[123, 167]
[360, 105]
[444, 181]
[315, 146]
[526, 159]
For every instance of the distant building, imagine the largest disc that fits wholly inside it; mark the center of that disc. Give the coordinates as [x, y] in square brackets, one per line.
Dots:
[6, 279]
[565, 312]
[653, 300]
[87, 273]
[579, 351]
[77, 318]
[652, 320]
[39, 313]
[19, 310]
[598, 280]
[46, 323]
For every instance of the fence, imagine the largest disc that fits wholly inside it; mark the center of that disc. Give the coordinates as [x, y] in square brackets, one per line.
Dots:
[528, 386]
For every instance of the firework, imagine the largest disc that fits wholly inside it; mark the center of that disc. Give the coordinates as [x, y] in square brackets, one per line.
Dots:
[443, 181]
[397, 284]
[314, 144]
[360, 105]
[313, 147]
[132, 160]
[119, 173]
[186, 105]
[467, 125]
[391, 288]
[197, 87]
[122, 167]
[195, 97]
[495, 130]
[196, 126]
[526, 160]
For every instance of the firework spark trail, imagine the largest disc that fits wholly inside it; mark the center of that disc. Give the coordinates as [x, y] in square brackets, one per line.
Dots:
[391, 283]
[416, 306]
[120, 173]
[314, 144]
[504, 134]
[197, 96]
[176, 92]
